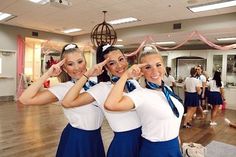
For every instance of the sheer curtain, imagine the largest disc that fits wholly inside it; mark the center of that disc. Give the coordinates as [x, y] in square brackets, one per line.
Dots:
[20, 64]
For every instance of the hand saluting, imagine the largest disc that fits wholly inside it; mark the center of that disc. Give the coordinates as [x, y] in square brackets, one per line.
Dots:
[97, 69]
[55, 69]
[135, 71]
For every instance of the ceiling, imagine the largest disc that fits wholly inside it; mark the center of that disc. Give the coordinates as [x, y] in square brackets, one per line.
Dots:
[85, 14]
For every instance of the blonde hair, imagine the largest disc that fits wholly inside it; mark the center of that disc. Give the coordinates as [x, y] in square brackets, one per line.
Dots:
[148, 49]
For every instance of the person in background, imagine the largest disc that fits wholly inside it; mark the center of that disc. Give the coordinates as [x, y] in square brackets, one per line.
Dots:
[125, 125]
[202, 95]
[159, 109]
[216, 95]
[169, 80]
[81, 137]
[192, 88]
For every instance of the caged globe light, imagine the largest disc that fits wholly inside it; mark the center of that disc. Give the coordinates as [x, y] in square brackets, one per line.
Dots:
[103, 33]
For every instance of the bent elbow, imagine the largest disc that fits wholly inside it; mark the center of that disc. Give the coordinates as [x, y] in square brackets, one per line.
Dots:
[109, 107]
[24, 101]
[65, 104]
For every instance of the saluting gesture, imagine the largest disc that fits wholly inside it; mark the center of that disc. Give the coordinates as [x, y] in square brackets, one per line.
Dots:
[135, 71]
[55, 69]
[96, 69]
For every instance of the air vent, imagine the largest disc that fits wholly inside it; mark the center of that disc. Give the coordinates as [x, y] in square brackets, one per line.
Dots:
[177, 26]
[35, 34]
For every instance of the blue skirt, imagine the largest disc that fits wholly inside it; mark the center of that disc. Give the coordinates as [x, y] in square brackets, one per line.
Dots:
[169, 148]
[214, 98]
[125, 144]
[191, 99]
[75, 142]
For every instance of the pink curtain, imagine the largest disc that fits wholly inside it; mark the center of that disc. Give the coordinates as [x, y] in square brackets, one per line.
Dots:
[20, 64]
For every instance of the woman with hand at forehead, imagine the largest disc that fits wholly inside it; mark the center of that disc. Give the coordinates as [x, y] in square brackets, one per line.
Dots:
[159, 109]
[82, 136]
[125, 125]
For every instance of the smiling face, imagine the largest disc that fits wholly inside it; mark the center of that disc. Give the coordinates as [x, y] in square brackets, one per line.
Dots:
[75, 64]
[117, 63]
[154, 70]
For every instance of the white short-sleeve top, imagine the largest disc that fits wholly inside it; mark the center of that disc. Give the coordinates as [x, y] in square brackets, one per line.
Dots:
[169, 80]
[202, 78]
[119, 121]
[212, 86]
[158, 121]
[87, 117]
[191, 83]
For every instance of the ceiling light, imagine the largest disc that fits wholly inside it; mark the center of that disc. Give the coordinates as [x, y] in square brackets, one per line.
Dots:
[121, 21]
[119, 45]
[212, 6]
[119, 40]
[40, 1]
[165, 43]
[4, 16]
[226, 39]
[72, 30]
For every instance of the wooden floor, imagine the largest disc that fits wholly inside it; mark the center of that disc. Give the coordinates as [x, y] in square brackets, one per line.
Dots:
[35, 131]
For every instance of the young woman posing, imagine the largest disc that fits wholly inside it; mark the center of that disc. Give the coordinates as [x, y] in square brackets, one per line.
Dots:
[192, 87]
[216, 95]
[158, 108]
[126, 125]
[81, 137]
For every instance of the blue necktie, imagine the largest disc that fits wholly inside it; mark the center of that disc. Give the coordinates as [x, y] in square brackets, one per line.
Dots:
[87, 85]
[167, 92]
[128, 85]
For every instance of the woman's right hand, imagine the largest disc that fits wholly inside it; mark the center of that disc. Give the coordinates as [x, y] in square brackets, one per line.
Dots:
[96, 69]
[135, 71]
[55, 69]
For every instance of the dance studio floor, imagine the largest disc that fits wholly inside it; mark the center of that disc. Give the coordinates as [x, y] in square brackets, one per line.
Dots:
[34, 131]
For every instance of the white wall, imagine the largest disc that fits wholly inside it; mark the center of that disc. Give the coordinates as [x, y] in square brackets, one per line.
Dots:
[8, 41]
[8, 74]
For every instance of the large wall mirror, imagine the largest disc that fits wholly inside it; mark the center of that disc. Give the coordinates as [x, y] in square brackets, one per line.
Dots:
[184, 64]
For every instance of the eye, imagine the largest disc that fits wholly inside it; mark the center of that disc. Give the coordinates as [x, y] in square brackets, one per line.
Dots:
[111, 63]
[122, 59]
[69, 64]
[158, 65]
[147, 67]
[80, 61]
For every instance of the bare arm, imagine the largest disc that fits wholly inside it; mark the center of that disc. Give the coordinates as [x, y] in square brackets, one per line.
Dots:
[203, 89]
[222, 93]
[73, 97]
[116, 101]
[198, 89]
[33, 95]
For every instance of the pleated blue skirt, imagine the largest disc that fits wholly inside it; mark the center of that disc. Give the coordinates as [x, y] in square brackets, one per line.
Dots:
[75, 142]
[160, 149]
[214, 98]
[191, 99]
[125, 144]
